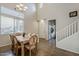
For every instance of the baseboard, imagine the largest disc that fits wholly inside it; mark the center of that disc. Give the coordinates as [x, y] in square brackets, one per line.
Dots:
[67, 50]
[5, 48]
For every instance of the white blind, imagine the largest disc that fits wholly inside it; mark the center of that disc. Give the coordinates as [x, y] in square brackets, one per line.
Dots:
[11, 24]
[10, 12]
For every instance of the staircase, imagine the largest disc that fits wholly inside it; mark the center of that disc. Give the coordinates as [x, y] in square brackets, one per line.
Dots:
[68, 37]
[69, 30]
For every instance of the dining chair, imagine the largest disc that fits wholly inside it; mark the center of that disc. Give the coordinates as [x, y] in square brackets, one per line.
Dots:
[16, 46]
[32, 44]
[37, 40]
[36, 37]
[13, 43]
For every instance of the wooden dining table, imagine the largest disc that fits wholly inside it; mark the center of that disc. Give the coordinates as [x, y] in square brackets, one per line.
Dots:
[22, 40]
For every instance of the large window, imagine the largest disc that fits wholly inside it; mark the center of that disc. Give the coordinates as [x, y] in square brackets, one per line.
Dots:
[11, 25]
[19, 25]
[11, 21]
[7, 25]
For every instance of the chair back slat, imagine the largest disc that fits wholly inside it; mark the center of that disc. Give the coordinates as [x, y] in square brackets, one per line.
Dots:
[33, 39]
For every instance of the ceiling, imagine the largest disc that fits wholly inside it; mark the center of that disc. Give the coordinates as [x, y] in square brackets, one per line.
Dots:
[31, 6]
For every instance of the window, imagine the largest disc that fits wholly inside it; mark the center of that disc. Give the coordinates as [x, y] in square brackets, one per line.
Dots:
[19, 25]
[7, 25]
[10, 21]
[10, 25]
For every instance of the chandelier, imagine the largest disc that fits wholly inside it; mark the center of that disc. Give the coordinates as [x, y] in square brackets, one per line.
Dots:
[21, 7]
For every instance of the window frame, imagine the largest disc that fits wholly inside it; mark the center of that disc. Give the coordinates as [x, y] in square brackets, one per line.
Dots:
[14, 18]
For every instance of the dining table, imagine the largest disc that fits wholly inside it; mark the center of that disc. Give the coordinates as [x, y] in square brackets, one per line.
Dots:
[22, 40]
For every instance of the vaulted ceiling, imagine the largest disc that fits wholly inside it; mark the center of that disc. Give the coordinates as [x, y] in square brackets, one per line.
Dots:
[31, 7]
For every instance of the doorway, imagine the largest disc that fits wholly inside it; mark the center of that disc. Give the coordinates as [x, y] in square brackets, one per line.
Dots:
[52, 32]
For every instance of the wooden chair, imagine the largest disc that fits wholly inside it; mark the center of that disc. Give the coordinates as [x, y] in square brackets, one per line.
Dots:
[36, 37]
[37, 40]
[32, 44]
[16, 46]
[13, 43]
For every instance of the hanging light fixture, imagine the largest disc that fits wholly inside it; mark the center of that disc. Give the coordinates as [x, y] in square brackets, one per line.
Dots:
[21, 7]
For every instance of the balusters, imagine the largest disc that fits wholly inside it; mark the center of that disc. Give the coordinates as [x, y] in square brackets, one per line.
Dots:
[61, 35]
[64, 32]
[74, 27]
[78, 25]
[68, 30]
[71, 29]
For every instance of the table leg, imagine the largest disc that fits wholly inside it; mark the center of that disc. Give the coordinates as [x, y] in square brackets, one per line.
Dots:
[22, 49]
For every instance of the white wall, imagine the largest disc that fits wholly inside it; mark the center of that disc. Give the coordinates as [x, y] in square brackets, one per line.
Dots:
[60, 12]
[30, 24]
[71, 43]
